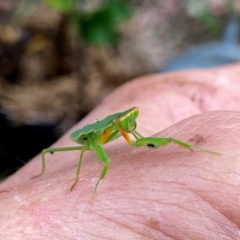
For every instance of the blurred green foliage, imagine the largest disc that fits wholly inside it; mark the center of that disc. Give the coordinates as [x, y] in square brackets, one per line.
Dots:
[98, 27]
[62, 5]
[210, 20]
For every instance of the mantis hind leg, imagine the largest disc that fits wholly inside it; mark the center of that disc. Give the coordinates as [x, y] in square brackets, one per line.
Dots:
[106, 161]
[78, 169]
[153, 142]
[159, 142]
[52, 150]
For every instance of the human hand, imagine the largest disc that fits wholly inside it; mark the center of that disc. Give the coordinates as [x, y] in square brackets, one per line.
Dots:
[166, 193]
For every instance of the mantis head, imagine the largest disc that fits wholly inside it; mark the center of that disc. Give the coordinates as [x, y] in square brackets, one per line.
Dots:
[127, 123]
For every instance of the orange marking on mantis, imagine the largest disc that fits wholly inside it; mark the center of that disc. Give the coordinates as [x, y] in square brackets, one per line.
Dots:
[125, 135]
[105, 135]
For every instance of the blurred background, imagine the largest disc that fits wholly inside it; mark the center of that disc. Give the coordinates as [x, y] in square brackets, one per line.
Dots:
[59, 58]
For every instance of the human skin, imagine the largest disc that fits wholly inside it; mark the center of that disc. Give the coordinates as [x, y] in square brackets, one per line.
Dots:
[165, 193]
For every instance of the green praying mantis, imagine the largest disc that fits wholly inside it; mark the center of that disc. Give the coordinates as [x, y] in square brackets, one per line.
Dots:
[93, 136]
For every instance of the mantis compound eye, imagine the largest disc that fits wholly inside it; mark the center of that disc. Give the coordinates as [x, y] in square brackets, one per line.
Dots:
[126, 124]
[131, 125]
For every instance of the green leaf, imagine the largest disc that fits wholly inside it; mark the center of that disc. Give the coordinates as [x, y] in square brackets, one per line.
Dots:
[100, 27]
[97, 29]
